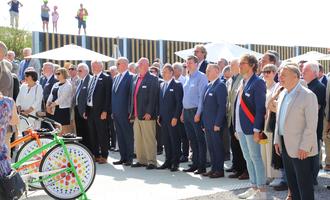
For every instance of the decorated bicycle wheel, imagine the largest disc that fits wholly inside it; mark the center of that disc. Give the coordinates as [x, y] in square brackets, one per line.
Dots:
[26, 149]
[65, 185]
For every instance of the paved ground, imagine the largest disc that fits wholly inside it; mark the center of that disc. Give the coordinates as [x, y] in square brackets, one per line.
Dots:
[120, 182]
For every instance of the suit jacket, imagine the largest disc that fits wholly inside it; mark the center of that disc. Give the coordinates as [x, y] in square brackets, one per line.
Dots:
[324, 80]
[170, 104]
[203, 66]
[214, 106]
[33, 63]
[82, 96]
[232, 88]
[6, 79]
[147, 96]
[255, 95]
[300, 122]
[120, 98]
[47, 87]
[101, 95]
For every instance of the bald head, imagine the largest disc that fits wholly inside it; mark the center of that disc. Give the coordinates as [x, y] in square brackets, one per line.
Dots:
[143, 65]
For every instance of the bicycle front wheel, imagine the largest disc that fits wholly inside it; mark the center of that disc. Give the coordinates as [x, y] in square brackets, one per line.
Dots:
[65, 185]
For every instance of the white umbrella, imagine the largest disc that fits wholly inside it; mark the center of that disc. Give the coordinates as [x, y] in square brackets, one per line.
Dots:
[309, 56]
[71, 52]
[215, 51]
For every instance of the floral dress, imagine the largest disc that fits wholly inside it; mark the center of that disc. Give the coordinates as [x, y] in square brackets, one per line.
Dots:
[6, 107]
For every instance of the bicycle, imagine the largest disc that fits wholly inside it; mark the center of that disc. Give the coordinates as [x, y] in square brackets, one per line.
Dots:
[66, 171]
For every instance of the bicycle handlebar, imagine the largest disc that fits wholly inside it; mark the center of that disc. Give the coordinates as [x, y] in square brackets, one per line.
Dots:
[50, 122]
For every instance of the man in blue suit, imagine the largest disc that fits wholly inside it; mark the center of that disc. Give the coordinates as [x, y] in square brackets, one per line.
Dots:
[249, 122]
[120, 113]
[214, 119]
[170, 108]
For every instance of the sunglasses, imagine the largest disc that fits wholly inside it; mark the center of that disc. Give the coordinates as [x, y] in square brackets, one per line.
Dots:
[57, 74]
[267, 72]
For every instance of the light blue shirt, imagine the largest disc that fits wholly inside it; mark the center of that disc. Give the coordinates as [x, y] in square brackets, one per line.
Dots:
[193, 91]
[284, 107]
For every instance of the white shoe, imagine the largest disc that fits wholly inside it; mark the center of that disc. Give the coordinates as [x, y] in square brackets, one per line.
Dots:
[247, 193]
[258, 196]
[275, 182]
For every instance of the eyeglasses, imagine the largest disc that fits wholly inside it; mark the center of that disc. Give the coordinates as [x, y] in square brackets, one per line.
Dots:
[267, 72]
[71, 69]
[153, 71]
[80, 70]
[57, 74]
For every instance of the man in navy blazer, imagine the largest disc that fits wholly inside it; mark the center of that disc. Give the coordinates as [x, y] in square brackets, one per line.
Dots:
[170, 108]
[249, 122]
[214, 119]
[120, 112]
[79, 102]
[97, 110]
[143, 109]
[201, 53]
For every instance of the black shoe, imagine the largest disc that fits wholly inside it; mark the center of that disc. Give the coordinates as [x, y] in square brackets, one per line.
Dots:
[128, 163]
[151, 166]
[160, 152]
[281, 187]
[200, 171]
[230, 169]
[138, 165]
[164, 166]
[174, 168]
[112, 148]
[183, 159]
[234, 175]
[134, 155]
[190, 169]
[120, 162]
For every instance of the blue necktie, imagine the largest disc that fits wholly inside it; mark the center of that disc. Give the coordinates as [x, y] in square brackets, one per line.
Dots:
[91, 89]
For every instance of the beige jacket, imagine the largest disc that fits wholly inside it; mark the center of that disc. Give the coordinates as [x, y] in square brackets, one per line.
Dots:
[232, 89]
[300, 123]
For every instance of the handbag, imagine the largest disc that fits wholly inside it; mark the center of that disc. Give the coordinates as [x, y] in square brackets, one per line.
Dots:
[12, 186]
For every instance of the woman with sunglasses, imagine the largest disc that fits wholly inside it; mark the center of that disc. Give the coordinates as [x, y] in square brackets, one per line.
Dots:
[29, 98]
[59, 100]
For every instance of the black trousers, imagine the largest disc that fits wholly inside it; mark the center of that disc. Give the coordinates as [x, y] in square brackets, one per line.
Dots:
[183, 139]
[99, 136]
[82, 129]
[299, 175]
[171, 140]
[239, 164]
[159, 138]
[112, 132]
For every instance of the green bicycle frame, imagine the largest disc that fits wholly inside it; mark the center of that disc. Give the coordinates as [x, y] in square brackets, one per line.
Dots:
[60, 141]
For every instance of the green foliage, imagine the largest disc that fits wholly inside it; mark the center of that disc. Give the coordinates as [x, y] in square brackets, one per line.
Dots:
[16, 40]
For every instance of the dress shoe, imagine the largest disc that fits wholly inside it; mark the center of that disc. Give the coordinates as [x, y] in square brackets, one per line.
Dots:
[230, 169]
[120, 162]
[234, 175]
[327, 168]
[200, 171]
[190, 169]
[164, 166]
[103, 161]
[128, 163]
[112, 148]
[137, 164]
[151, 166]
[97, 159]
[174, 168]
[217, 175]
[281, 187]
[244, 176]
[208, 173]
[183, 159]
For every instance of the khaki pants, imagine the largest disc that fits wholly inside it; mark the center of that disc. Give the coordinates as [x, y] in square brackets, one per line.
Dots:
[266, 154]
[14, 17]
[326, 140]
[145, 141]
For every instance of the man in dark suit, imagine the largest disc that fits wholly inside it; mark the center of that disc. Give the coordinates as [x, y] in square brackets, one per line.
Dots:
[170, 108]
[322, 77]
[249, 118]
[310, 74]
[201, 53]
[98, 108]
[120, 112]
[47, 81]
[143, 109]
[214, 119]
[80, 100]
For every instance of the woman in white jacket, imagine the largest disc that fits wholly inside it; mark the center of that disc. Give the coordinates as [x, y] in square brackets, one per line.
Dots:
[60, 99]
[29, 99]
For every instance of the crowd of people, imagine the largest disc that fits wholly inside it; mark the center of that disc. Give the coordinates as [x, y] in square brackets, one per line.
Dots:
[273, 117]
[15, 6]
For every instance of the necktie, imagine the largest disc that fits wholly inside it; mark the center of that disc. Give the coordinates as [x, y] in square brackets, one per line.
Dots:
[78, 90]
[91, 89]
[164, 89]
[115, 86]
[207, 89]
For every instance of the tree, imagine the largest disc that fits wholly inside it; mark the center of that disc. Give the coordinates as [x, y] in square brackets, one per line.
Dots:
[16, 40]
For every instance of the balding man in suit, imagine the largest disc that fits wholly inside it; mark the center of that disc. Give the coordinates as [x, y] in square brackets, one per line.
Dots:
[295, 132]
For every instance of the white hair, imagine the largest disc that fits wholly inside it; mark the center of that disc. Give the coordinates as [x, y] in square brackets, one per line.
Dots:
[84, 66]
[49, 64]
[11, 52]
[124, 59]
[100, 63]
[314, 66]
[178, 66]
[113, 68]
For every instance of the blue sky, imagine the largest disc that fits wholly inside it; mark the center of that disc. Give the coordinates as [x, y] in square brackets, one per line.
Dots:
[283, 22]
